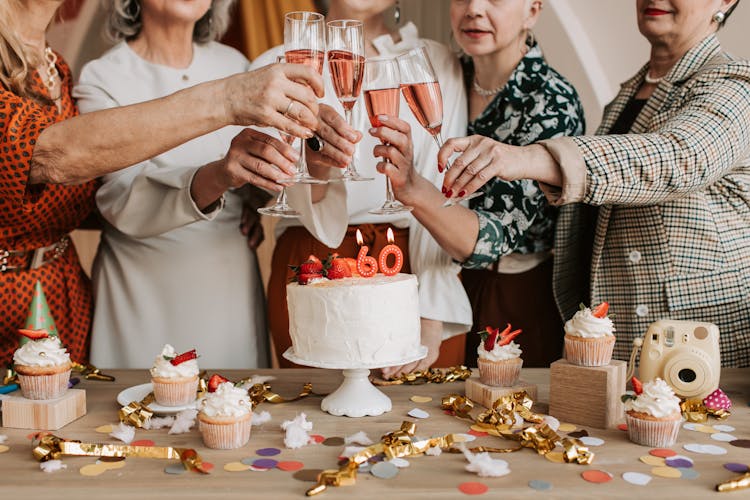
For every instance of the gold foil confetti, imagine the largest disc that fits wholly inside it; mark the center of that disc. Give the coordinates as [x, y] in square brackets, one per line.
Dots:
[91, 372]
[695, 411]
[738, 483]
[555, 456]
[433, 375]
[137, 413]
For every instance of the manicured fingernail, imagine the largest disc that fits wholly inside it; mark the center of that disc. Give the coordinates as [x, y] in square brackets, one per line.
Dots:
[449, 193]
[443, 189]
[383, 118]
[373, 130]
[440, 169]
[461, 193]
[308, 134]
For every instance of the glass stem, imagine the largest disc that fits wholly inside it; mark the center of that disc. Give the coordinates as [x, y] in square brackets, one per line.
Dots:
[281, 200]
[389, 198]
[439, 141]
[302, 165]
[349, 170]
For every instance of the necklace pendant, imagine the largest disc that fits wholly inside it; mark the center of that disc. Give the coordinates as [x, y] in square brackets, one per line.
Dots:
[486, 92]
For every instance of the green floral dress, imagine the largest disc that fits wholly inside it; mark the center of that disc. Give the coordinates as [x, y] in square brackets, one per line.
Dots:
[537, 103]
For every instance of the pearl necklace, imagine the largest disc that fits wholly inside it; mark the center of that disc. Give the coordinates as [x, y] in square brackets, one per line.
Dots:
[486, 92]
[53, 76]
[652, 81]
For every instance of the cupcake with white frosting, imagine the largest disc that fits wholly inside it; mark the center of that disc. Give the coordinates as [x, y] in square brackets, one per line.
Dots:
[43, 366]
[589, 337]
[224, 417]
[653, 413]
[175, 377]
[498, 357]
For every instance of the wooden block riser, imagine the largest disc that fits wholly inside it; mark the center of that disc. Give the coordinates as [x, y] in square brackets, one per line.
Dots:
[486, 395]
[21, 413]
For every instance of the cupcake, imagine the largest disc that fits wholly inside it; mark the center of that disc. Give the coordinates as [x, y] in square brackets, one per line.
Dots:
[589, 338]
[653, 414]
[498, 357]
[224, 418]
[175, 377]
[43, 366]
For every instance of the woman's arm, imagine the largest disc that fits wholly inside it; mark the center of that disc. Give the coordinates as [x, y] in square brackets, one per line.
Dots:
[91, 145]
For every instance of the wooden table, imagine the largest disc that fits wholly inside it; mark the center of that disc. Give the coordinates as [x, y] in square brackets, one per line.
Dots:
[427, 477]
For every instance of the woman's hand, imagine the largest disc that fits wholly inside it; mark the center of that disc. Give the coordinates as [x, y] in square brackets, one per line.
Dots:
[282, 96]
[253, 158]
[339, 140]
[395, 134]
[432, 337]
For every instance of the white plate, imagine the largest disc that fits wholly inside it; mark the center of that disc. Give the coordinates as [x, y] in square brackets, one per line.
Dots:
[138, 392]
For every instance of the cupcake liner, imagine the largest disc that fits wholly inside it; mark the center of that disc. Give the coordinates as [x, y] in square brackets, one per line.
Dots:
[499, 373]
[225, 435]
[655, 433]
[171, 392]
[589, 351]
[50, 386]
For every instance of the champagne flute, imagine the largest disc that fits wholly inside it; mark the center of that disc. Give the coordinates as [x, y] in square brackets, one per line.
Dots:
[381, 87]
[304, 43]
[346, 62]
[281, 208]
[421, 90]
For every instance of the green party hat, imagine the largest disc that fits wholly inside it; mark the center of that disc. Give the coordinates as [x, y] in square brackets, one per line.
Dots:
[39, 316]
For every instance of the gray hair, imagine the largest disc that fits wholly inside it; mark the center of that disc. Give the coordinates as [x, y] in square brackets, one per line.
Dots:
[124, 20]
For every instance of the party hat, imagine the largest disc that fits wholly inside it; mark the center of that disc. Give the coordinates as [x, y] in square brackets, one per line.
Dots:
[39, 316]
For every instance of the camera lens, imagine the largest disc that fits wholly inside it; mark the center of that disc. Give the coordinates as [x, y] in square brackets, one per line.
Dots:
[687, 375]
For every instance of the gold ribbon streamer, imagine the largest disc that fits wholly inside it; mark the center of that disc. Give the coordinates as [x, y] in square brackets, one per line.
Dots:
[262, 392]
[739, 483]
[10, 377]
[499, 420]
[91, 372]
[137, 413]
[395, 444]
[433, 375]
[695, 411]
[50, 447]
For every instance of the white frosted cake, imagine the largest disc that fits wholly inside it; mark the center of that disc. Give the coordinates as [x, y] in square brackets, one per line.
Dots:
[368, 322]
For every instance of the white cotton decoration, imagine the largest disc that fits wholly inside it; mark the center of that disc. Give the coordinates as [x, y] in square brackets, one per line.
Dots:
[358, 438]
[483, 464]
[256, 379]
[52, 465]
[183, 421]
[297, 431]
[154, 423]
[351, 450]
[3, 438]
[260, 418]
[434, 451]
[124, 433]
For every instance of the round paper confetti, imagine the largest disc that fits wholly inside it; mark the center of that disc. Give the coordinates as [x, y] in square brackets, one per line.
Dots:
[104, 429]
[473, 488]
[735, 467]
[723, 436]
[399, 462]
[622, 427]
[307, 475]
[384, 470]
[540, 485]
[290, 465]
[421, 399]
[724, 428]
[708, 449]
[248, 460]
[741, 443]
[206, 467]
[265, 463]
[555, 456]
[93, 469]
[636, 478]
[565, 427]
[175, 469]
[662, 452]
[267, 452]
[596, 476]
[334, 441]
[418, 413]
[652, 460]
[553, 423]
[478, 434]
[258, 469]
[579, 434]
[111, 459]
[690, 426]
[464, 438]
[236, 467]
[4, 448]
[592, 441]
[688, 473]
[706, 429]
[667, 472]
[142, 442]
[317, 438]
[679, 462]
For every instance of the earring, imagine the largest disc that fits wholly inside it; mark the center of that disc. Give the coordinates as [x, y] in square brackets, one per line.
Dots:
[719, 17]
[397, 13]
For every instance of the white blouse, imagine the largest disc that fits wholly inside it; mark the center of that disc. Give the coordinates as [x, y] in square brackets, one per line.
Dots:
[442, 296]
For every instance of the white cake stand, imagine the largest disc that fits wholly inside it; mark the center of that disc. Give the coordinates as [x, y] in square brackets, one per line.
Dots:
[356, 396]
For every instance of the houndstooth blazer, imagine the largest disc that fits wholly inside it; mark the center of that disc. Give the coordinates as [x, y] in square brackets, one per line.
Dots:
[663, 230]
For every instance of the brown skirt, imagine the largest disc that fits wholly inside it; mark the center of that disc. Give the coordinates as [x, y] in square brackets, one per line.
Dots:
[293, 247]
[524, 300]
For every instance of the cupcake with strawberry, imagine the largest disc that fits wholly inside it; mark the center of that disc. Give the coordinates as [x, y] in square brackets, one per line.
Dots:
[589, 337]
[652, 413]
[42, 364]
[499, 358]
[224, 419]
[175, 377]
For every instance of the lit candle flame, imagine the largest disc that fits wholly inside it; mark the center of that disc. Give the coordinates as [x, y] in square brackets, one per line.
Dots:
[360, 241]
[389, 234]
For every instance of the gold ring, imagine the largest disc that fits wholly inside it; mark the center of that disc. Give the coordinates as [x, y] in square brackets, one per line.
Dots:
[288, 108]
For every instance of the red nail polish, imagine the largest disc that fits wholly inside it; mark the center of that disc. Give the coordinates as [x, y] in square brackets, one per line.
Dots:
[440, 169]
[449, 193]
[461, 193]
[443, 189]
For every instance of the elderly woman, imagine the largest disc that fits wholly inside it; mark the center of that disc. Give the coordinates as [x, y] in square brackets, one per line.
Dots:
[331, 215]
[173, 266]
[655, 219]
[504, 240]
[44, 143]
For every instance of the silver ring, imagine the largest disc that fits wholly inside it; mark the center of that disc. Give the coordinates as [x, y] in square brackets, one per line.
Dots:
[288, 108]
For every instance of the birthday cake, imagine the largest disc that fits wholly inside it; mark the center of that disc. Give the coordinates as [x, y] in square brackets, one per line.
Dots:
[355, 321]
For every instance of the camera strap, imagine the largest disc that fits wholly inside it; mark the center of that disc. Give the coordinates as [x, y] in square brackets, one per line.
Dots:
[637, 344]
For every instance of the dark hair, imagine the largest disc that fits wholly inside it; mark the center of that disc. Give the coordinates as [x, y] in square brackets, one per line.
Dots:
[729, 13]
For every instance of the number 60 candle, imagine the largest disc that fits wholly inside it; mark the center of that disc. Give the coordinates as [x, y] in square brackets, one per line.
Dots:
[387, 250]
[367, 266]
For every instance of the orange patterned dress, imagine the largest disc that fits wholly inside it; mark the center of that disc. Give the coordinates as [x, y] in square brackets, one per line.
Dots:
[35, 216]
